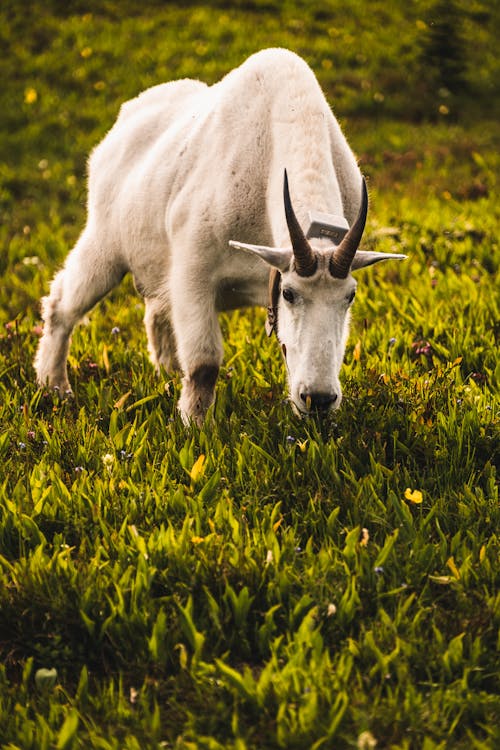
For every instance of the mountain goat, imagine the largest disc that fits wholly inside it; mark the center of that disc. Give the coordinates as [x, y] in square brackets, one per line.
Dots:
[190, 175]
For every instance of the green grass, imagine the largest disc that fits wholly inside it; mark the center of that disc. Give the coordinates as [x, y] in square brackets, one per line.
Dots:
[215, 588]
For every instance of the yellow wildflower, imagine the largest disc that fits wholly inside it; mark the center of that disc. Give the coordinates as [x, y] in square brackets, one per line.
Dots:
[30, 96]
[414, 496]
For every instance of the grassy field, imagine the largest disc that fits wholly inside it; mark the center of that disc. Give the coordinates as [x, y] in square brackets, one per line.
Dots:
[263, 582]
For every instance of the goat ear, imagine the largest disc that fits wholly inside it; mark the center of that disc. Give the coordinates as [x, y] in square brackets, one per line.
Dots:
[276, 257]
[365, 258]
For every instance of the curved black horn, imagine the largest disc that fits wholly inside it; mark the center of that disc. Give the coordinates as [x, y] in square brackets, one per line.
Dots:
[305, 262]
[341, 260]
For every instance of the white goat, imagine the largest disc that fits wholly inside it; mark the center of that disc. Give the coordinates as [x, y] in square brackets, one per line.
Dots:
[185, 170]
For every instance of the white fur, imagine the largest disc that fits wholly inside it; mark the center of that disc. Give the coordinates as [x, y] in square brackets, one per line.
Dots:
[185, 169]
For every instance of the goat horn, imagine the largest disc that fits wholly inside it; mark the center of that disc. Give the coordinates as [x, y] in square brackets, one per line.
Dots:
[305, 262]
[341, 260]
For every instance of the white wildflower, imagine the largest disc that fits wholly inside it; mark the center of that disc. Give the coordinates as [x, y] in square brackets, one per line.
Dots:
[331, 610]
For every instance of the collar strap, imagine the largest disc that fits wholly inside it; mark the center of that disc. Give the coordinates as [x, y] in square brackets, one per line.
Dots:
[327, 226]
[274, 292]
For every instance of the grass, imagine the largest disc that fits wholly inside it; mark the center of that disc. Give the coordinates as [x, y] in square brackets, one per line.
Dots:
[263, 582]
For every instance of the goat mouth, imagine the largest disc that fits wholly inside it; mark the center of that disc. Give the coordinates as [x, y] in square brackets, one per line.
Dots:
[313, 411]
[297, 411]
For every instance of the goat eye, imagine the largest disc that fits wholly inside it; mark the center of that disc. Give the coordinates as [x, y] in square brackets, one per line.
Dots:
[289, 296]
[350, 298]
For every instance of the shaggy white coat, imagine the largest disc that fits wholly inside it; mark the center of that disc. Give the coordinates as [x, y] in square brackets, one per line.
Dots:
[185, 169]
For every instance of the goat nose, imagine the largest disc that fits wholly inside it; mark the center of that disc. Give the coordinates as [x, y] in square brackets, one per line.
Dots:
[319, 401]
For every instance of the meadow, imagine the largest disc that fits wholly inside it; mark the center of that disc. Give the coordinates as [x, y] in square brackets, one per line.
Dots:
[261, 582]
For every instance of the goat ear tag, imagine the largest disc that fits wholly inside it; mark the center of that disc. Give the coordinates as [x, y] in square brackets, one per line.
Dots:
[322, 225]
[276, 257]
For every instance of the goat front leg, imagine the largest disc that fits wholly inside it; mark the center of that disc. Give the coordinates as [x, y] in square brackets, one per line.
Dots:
[199, 344]
[198, 391]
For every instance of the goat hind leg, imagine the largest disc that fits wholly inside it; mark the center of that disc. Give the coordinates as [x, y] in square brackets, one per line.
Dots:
[161, 337]
[86, 277]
